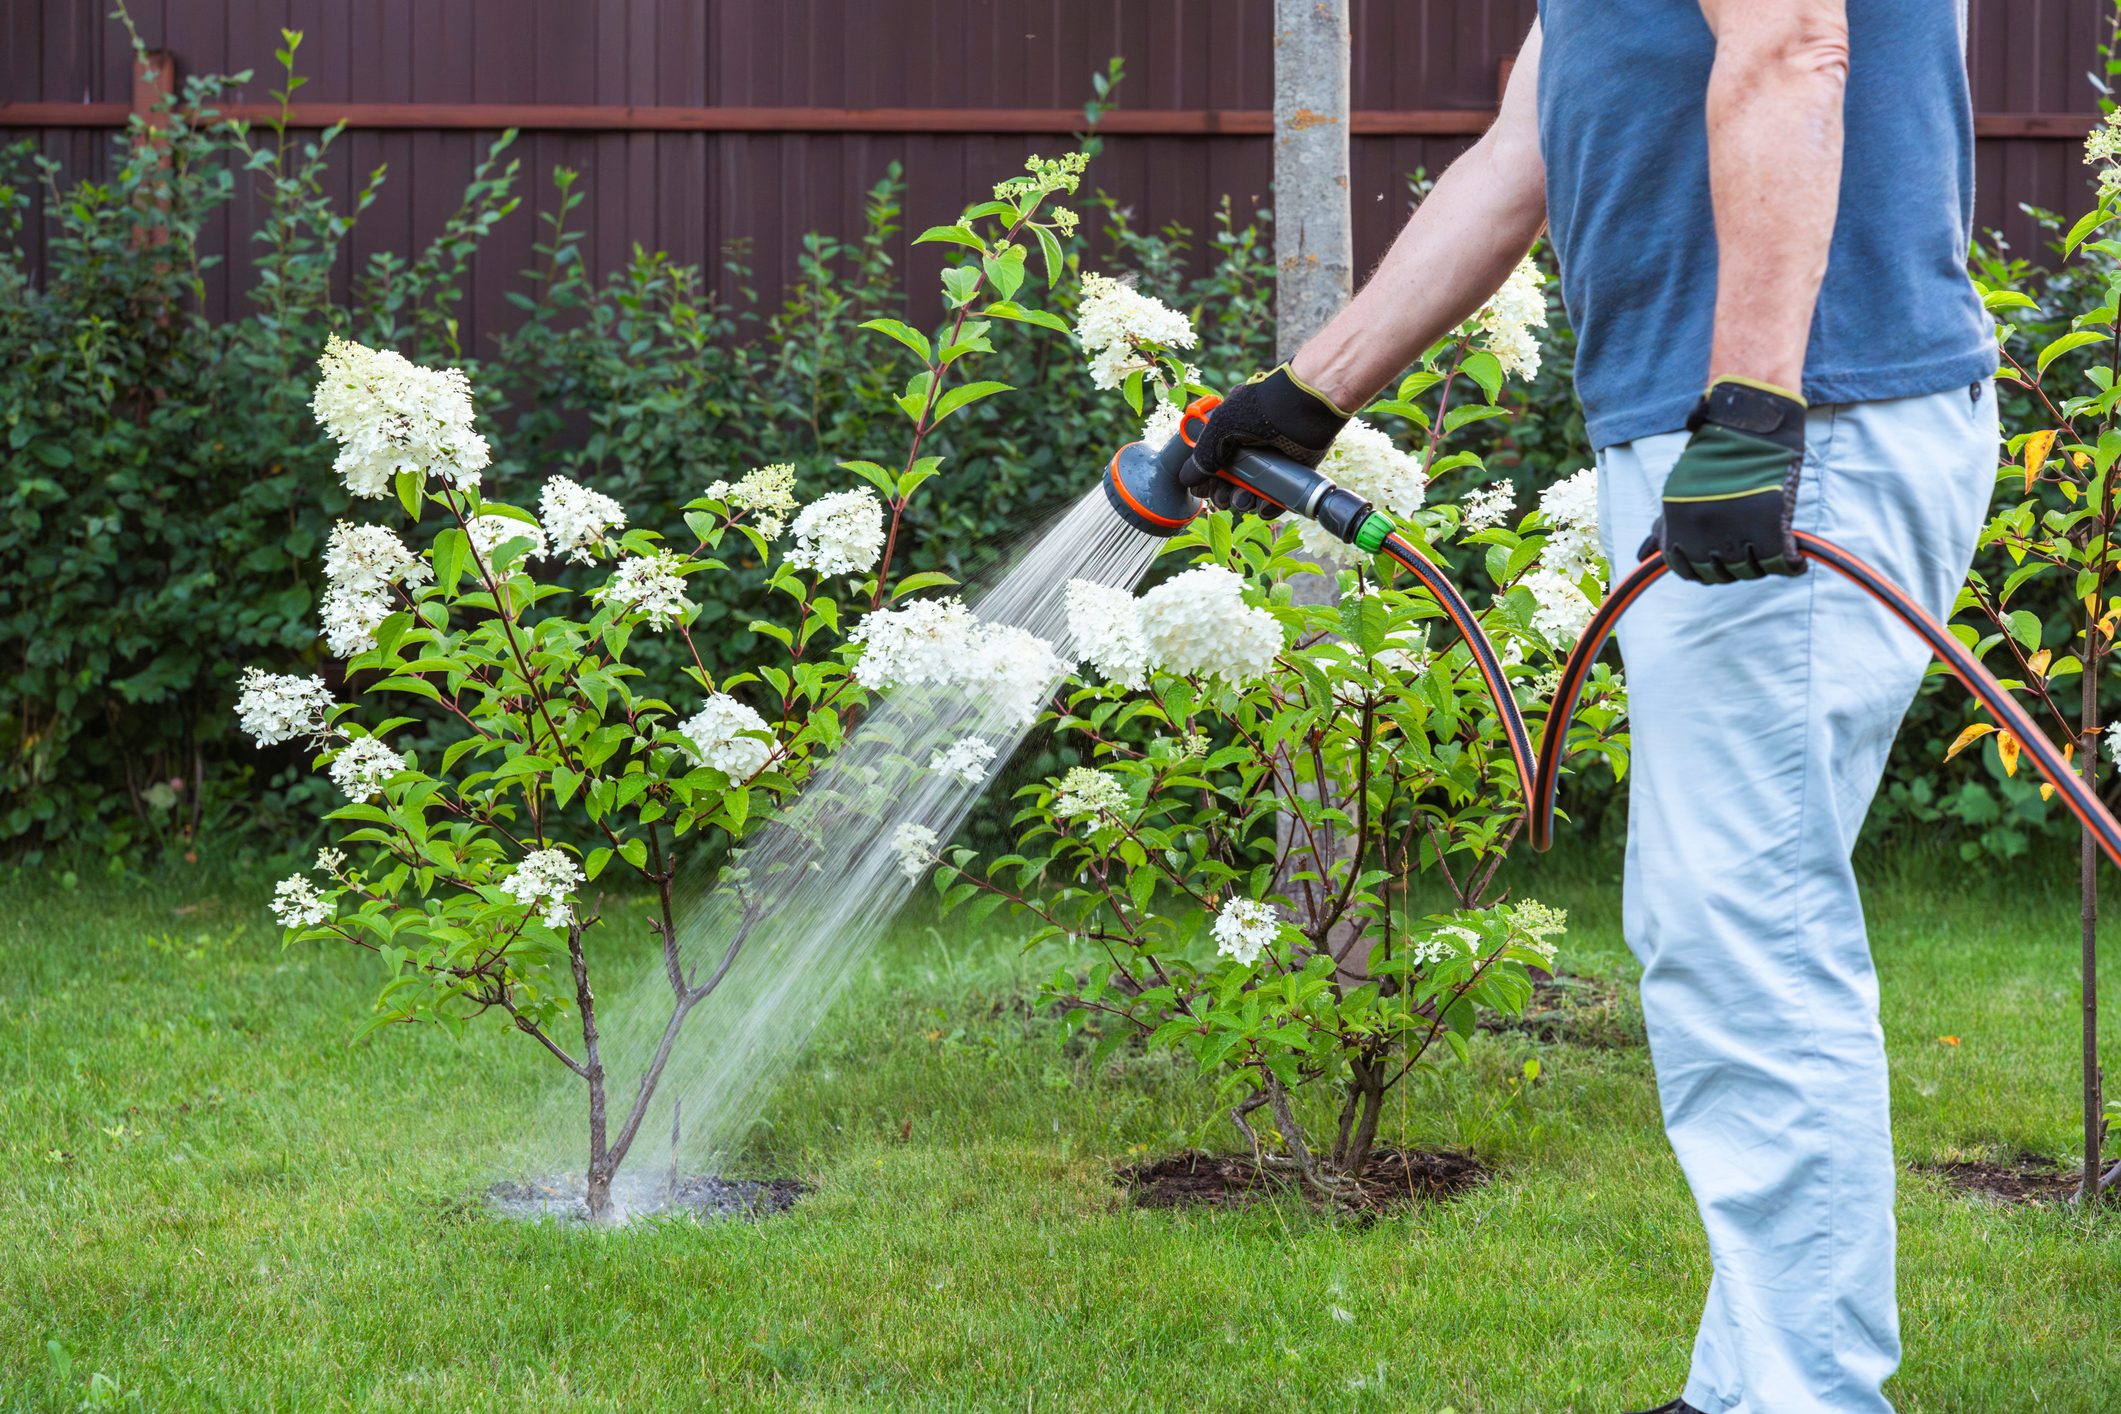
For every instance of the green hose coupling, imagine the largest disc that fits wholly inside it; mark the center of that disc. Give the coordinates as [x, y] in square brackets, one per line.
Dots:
[1370, 535]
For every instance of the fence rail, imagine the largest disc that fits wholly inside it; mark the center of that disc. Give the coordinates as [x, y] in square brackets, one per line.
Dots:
[723, 130]
[627, 118]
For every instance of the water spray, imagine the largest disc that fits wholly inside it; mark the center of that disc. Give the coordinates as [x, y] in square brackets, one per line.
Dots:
[1143, 488]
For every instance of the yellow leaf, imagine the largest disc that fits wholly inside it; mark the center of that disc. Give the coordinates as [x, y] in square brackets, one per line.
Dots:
[2079, 460]
[2007, 747]
[2037, 664]
[2069, 752]
[2037, 447]
[1949, 1040]
[1968, 737]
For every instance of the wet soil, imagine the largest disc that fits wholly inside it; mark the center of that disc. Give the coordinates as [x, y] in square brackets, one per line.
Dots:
[708, 1196]
[2028, 1178]
[1395, 1178]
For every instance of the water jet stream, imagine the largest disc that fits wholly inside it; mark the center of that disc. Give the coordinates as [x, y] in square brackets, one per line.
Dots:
[811, 892]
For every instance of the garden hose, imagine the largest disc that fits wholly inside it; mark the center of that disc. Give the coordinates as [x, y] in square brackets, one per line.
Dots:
[1144, 489]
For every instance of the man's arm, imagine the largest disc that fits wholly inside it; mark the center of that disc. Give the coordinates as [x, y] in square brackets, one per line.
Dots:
[1456, 250]
[1774, 131]
[1774, 119]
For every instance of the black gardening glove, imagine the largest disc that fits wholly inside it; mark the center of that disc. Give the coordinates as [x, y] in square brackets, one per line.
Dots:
[1274, 410]
[1731, 496]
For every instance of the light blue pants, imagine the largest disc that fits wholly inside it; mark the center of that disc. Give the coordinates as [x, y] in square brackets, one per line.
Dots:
[1760, 716]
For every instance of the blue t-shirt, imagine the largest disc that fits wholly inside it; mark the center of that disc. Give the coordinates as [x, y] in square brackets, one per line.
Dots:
[1622, 89]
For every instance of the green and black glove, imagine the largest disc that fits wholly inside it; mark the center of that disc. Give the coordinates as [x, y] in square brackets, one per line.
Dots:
[1730, 499]
[1275, 409]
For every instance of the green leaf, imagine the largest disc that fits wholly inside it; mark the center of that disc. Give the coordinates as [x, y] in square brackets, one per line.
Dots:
[1485, 369]
[1006, 271]
[965, 394]
[2025, 627]
[452, 555]
[1471, 412]
[1009, 309]
[2064, 344]
[1049, 247]
[912, 338]
[961, 283]
[2090, 221]
[952, 235]
[915, 583]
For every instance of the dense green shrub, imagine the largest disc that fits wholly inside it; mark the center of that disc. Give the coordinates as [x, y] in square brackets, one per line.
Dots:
[158, 531]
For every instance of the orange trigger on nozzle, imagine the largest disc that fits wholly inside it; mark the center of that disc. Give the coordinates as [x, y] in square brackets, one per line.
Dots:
[1200, 407]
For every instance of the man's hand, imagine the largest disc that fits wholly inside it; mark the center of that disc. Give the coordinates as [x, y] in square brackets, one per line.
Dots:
[1730, 498]
[1275, 410]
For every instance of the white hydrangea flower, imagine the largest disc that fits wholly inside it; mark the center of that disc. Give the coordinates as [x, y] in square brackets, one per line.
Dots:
[1112, 322]
[649, 585]
[913, 846]
[1245, 928]
[1011, 670]
[389, 415]
[543, 881]
[275, 708]
[716, 733]
[577, 519]
[966, 759]
[1486, 507]
[362, 766]
[767, 492]
[331, 861]
[1449, 941]
[926, 641]
[2102, 145]
[349, 618]
[1161, 425]
[842, 533]
[1085, 791]
[361, 563]
[1365, 460]
[1563, 613]
[2113, 741]
[1541, 926]
[490, 532]
[1571, 509]
[367, 558]
[1188, 746]
[1506, 321]
[1105, 624]
[938, 643]
[297, 904]
[1405, 653]
[1197, 624]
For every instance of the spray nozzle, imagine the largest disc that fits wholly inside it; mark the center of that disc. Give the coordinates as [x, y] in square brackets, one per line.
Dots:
[1144, 488]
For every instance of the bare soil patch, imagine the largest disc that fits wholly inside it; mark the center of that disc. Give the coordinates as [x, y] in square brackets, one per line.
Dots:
[1395, 1178]
[2028, 1178]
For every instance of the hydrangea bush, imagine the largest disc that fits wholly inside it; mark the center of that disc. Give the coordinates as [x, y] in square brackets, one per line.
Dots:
[1213, 703]
[567, 794]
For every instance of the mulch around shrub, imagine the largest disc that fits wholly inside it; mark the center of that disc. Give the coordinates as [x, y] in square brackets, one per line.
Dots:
[2028, 1178]
[1395, 1178]
[700, 1195]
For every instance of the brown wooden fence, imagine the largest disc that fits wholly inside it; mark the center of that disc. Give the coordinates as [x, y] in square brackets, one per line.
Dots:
[698, 124]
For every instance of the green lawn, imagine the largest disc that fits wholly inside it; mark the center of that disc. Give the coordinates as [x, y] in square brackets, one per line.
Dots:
[208, 1196]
